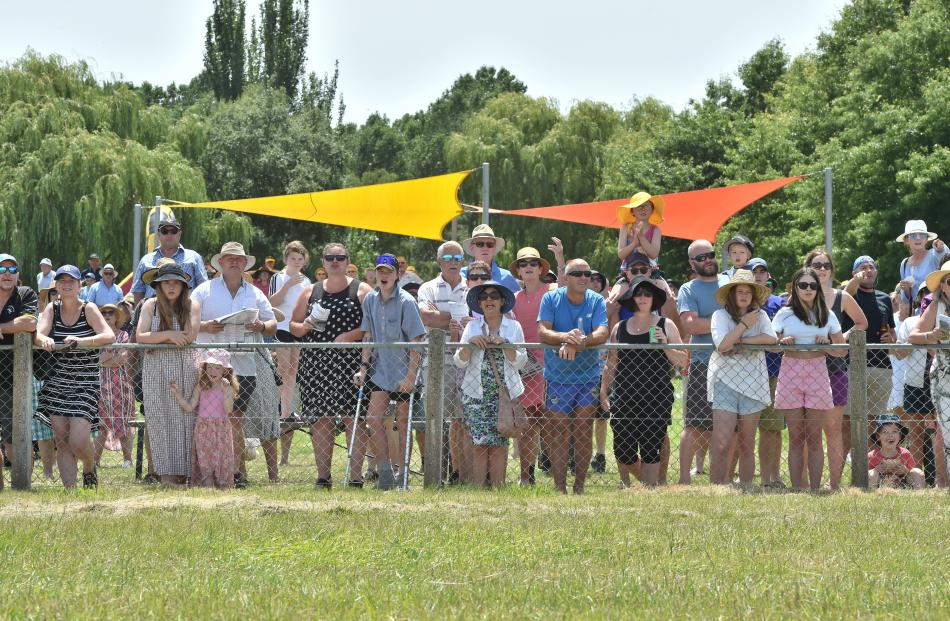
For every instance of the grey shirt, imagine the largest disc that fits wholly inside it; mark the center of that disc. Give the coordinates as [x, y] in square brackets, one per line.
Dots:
[391, 321]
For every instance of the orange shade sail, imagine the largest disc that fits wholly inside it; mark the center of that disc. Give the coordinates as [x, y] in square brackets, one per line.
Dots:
[698, 214]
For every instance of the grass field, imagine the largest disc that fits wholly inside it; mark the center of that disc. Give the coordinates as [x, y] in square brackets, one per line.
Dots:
[289, 552]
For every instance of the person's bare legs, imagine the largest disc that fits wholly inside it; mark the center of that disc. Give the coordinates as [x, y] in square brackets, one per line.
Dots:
[65, 459]
[582, 428]
[940, 461]
[664, 460]
[600, 435]
[479, 465]
[237, 437]
[47, 456]
[357, 450]
[401, 421]
[724, 430]
[795, 419]
[288, 362]
[625, 470]
[555, 432]
[497, 465]
[693, 440]
[832, 428]
[321, 438]
[770, 455]
[529, 443]
[917, 434]
[271, 458]
[748, 425]
[814, 422]
[457, 449]
[378, 436]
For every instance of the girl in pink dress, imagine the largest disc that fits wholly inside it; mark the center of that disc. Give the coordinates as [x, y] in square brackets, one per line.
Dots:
[116, 398]
[212, 453]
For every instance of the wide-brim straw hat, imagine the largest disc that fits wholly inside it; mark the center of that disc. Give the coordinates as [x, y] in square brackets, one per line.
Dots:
[149, 274]
[234, 249]
[916, 226]
[625, 212]
[43, 296]
[742, 277]
[506, 294]
[626, 300]
[120, 311]
[482, 231]
[528, 253]
[933, 278]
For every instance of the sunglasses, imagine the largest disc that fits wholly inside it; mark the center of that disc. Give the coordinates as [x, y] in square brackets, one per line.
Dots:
[484, 244]
[805, 286]
[489, 295]
[452, 257]
[580, 273]
[108, 313]
[643, 293]
[638, 270]
[916, 236]
[168, 230]
[13, 269]
[529, 263]
[329, 258]
[818, 265]
[479, 276]
[706, 256]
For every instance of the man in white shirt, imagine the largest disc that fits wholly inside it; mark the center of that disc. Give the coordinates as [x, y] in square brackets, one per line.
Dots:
[405, 275]
[44, 280]
[442, 305]
[228, 294]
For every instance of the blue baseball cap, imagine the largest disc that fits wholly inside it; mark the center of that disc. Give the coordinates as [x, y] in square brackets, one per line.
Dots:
[8, 257]
[861, 260]
[755, 262]
[68, 270]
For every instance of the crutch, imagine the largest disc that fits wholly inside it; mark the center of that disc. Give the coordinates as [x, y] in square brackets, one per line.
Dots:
[405, 469]
[349, 448]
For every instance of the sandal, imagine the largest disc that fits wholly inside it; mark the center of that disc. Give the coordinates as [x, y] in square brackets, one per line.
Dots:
[324, 484]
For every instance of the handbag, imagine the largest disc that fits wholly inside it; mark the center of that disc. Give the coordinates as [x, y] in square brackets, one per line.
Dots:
[512, 420]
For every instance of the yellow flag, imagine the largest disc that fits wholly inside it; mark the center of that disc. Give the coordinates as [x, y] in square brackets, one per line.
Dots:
[418, 207]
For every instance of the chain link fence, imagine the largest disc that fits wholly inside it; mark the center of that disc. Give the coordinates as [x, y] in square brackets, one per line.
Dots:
[136, 414]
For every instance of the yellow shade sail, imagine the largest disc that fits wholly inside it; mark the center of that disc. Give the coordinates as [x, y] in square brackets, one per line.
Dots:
[417, 208]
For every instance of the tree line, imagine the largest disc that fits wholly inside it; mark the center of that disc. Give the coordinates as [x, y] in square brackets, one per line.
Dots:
[870, 100]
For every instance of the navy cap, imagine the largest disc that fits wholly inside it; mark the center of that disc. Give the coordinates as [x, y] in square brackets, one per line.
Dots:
[68, 270]
[755, 262]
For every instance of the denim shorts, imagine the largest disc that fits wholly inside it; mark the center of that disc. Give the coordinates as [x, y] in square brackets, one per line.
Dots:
[565, 398]
[728, 400]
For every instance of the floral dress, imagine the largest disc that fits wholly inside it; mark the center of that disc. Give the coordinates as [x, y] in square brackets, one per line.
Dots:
[481, 415]
[116, 399]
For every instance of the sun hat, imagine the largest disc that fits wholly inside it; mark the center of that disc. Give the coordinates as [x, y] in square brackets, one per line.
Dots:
[387, 261]
[506, 294]
[8, 257]
[528, 253]
[217, 356]
[107, 268]
[625, 212]
[119, 310]
[171, 272]
[482, 231]
[862, 260]
[234, 249]
[46, 261]
[150, 273]
[270, 261]
[67, 270]
[742, 277]
[916, 226]
[626, 300]
[411, 268]
[889, 419]
[43, 296]
[738, 239]
[933, 278]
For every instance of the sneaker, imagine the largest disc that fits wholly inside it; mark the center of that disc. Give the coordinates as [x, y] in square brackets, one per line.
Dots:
[454, 478]
[355, 484]
[90, 480]
[240, 480]
[127, 464]
[599, 463]
[324, 484]
[151, 479]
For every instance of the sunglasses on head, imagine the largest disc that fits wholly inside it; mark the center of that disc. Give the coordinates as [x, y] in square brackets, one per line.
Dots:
[168, 230]
[452, 257]
[638, 270]
[335, 257]
[805, 286]
[819, 265]
[529, 263]
[484, 244]
[479, 276]
[580, 273]
[13, 269]
[706, 256]
[489, 295]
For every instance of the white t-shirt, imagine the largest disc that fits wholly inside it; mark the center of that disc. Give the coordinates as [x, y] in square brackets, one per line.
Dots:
[786, 323]
[290, 298]
[745, 371]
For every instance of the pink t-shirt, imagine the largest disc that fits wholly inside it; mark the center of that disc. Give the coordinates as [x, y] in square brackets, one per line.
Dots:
[211, 404]
[527, 306]
[875, 457]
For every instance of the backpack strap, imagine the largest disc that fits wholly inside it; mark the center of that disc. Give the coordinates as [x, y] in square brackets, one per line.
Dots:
[354, 290]
[316, 294]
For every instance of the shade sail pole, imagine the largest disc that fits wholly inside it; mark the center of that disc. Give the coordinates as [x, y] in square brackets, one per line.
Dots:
[485, 188]
[828, 210]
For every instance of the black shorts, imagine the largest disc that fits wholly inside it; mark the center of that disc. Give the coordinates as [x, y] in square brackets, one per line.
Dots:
[248, 383]
[637, 439]
[917, 400]
[283, 336]
[393, 395]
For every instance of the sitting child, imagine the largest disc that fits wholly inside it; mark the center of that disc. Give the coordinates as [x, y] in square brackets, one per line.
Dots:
[639, 227]
[889, 463]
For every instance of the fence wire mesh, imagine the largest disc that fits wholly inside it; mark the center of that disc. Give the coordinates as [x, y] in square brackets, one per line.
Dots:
[637, 416]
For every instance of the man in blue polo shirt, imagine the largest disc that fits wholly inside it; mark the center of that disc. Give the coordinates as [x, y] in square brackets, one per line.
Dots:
[572, 319]
[105, 291]
[483, 245]
[169, 235]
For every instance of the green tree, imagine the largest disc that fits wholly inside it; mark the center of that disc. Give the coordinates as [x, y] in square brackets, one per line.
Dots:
[224, 54]
[283, 33]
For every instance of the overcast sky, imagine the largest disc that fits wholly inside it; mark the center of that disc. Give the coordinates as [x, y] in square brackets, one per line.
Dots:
[397, 57]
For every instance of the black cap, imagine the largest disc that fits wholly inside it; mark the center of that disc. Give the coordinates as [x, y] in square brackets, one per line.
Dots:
[738, 239]
[169, 222]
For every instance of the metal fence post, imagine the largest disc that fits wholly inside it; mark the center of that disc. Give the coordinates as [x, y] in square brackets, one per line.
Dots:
[22, 461]
[858, 406]
[434, 410]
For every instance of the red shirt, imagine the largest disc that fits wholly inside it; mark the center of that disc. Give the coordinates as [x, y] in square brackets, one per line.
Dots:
[875, 457]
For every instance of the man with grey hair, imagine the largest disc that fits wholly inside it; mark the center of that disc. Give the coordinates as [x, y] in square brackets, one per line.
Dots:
[442, 305]
[696, 303]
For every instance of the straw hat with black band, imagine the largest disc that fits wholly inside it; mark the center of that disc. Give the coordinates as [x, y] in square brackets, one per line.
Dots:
[742, 277]
[933, 279]
[482, 231]
[233, 249]
[528, 253]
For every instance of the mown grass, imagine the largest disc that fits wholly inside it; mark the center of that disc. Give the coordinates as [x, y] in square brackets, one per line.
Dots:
[290, 552]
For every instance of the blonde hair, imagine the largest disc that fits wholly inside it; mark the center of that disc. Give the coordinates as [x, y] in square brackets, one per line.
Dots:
[205, 382]
[299, 248]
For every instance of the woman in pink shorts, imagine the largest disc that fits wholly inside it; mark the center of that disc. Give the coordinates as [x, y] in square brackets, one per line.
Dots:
[803, 394]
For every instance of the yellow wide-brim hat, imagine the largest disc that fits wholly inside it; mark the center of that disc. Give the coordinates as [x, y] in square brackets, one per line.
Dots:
[933, 279]
[625, 212]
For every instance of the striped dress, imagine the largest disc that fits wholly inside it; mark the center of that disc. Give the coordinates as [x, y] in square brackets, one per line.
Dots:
[73, 388]
[169, 427]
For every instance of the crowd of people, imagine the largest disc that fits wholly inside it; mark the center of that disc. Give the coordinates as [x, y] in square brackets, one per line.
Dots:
[554, 403]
